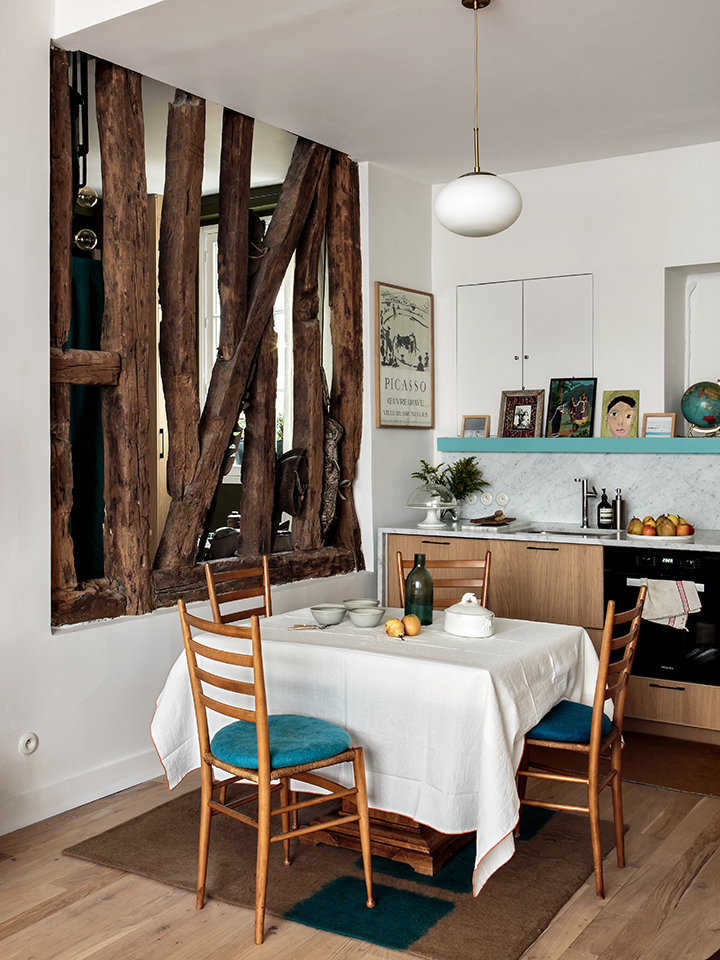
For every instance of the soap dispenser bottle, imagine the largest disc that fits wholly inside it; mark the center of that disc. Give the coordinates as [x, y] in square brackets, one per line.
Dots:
[604, 513]
[618, 510]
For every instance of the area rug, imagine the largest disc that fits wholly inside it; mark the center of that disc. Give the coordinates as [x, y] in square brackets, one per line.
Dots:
[665, 762]
[434, 917]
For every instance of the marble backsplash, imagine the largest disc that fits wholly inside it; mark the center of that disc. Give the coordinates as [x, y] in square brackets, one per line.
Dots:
[541, 486]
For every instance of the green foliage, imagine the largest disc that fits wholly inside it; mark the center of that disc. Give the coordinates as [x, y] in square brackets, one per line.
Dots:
[464, 476]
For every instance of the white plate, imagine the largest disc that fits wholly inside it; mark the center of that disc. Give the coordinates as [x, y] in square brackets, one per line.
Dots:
[641, 536]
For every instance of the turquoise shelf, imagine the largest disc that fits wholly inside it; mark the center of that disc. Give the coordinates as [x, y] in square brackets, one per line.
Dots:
[578, 445]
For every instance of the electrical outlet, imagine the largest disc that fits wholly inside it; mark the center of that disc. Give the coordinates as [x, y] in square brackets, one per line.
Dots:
[29, 743]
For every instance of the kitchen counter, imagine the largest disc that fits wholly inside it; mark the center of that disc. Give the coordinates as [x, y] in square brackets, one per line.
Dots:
[702, 540]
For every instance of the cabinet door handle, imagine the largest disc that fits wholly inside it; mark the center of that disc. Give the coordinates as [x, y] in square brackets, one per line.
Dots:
[436, 543]
[661, 686]
[546, 549]
[527, 356]
[517, 357]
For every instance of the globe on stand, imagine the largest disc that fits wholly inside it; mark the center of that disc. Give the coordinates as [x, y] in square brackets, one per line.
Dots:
[700, 406]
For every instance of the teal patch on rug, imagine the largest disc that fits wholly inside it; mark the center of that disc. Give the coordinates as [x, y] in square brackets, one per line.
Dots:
[456, 874]
[340, 907]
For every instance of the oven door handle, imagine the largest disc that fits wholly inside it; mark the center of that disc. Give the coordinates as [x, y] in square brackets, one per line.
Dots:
[634, 582]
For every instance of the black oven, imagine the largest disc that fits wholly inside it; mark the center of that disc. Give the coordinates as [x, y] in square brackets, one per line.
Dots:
[663, 652]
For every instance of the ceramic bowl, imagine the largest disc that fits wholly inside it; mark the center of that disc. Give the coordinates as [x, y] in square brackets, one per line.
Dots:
[363, 602]
[328, 613]
[366, 616]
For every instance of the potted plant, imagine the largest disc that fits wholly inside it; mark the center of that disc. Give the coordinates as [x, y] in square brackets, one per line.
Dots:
[462, 477]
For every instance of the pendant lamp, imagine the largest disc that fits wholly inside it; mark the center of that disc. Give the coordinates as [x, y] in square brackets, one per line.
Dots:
[478, 204]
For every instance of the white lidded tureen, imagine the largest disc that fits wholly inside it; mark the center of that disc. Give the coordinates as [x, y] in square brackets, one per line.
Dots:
[469, 619]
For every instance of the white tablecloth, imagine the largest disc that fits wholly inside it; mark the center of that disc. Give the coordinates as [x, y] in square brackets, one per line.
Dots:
[441, 718]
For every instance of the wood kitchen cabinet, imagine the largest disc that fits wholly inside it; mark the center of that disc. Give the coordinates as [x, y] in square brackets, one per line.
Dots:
[559, 583]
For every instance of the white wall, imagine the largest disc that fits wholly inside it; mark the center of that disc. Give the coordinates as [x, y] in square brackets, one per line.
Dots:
[396, 247]
[624, 220]
[87, 692]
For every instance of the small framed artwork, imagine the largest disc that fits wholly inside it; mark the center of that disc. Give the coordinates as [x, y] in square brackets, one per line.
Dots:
[521, 413]
[620, 413]
[571, 405]
[404, 357]
[476, 426]
[658, 425]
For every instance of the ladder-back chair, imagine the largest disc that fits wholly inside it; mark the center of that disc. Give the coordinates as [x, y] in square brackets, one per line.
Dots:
[588, 730]
[240, 589]
[262, 749]
[477, 584]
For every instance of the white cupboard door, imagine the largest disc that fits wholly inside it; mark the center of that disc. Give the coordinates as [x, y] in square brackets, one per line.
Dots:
[557, 330]
[489, 347]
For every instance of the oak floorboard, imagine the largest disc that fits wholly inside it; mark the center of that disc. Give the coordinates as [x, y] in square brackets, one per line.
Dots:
[661, 906]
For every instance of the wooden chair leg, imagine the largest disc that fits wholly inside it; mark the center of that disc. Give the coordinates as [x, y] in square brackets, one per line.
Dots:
[293, 799]
[364, 823]
[594, 812]
[263, 854]
[205, 817]
[616, 760]
[285, 817]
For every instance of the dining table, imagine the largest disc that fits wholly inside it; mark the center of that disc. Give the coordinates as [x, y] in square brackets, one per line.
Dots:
[441, 718]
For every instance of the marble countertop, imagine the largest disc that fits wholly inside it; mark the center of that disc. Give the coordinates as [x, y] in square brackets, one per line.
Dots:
[702, 540]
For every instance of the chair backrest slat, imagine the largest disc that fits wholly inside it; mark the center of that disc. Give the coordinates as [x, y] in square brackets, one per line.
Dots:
[225, 683]
[460, 585]
[227, 710]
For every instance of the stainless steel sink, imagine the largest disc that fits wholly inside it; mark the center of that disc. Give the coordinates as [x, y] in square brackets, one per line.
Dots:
[570, 530]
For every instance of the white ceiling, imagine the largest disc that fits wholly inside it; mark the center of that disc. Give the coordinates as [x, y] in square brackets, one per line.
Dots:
[391, 81]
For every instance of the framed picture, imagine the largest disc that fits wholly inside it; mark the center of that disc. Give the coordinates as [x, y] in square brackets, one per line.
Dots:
[620, 413]
[404, 357]
[658, 425]
[521, 413]
[571, 405]
[477, 425]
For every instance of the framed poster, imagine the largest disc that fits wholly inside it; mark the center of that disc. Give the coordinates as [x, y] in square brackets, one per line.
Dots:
[404, 357]
[620, 413]
[571, 404]
[476, 425]
[658, 425]
[521, 413]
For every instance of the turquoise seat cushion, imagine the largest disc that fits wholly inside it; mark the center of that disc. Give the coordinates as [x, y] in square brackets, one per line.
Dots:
[567, 722]
[293, 740]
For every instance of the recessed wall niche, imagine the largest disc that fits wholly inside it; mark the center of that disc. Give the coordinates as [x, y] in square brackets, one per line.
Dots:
[692, 331]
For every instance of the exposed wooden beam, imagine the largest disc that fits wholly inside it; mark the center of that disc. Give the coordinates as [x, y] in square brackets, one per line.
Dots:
[86, 367]
[346, 393]
[230, 379]
[308, 432]
[62, 562]
[233, 239]
[126, 331]
[178, 263]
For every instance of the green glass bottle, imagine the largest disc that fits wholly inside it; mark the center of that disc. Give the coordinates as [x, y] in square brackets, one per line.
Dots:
[419, 591]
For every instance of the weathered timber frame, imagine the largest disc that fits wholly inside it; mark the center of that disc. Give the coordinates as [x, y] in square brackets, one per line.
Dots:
[319, 199]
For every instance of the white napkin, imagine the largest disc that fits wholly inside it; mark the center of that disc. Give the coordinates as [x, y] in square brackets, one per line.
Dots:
[669, 602]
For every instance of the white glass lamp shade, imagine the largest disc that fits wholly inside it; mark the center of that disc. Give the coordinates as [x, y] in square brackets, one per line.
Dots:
[478, 205]
[434, 499]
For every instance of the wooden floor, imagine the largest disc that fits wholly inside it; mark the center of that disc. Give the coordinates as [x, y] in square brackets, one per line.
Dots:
[665, 905]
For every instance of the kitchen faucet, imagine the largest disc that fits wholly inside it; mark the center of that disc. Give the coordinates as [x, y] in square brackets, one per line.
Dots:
[586, 495]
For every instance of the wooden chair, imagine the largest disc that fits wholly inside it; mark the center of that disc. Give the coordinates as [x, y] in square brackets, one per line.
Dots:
[587, 730]
[262, 749]
[459, 584]
[238, 580]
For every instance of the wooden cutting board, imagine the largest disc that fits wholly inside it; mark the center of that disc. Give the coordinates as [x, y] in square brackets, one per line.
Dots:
[498, 519]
